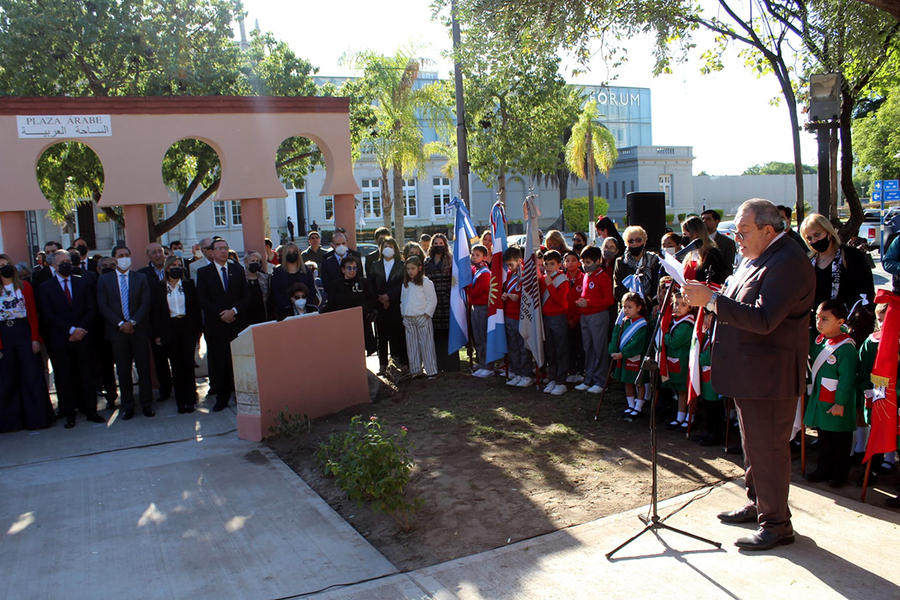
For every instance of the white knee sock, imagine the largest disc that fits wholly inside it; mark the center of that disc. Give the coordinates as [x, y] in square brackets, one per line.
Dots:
[630, 400]
[861, 436]
[680, 417]
[638, 404]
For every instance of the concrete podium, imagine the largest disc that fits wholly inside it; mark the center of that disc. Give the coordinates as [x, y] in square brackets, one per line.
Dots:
[311, 365]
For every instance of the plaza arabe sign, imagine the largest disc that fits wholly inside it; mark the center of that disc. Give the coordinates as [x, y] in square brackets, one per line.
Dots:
[63, 126]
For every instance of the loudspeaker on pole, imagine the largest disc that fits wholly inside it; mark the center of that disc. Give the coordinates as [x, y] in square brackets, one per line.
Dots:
[648, 209]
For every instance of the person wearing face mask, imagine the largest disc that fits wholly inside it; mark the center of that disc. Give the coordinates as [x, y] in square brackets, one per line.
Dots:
[331, 265]
[86, 264]
[123, 298]
[439, 269]
[175, 320]
[637, 260]
[579, 241]
[786, 213]
[24, 399]
[387, 282]
[299, 295]
[605, 228]
[706, 263]
[155, 272]
[104, 363]
[291, 270]
[671, 243]
[259, 282]
[371, 257]
[842, 272]
[204, 259]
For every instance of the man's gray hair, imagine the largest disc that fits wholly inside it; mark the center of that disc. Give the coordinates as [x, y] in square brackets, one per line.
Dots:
[56, 256]
[764, 213]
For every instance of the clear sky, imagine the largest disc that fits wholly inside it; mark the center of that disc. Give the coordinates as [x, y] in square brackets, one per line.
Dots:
[727, 117]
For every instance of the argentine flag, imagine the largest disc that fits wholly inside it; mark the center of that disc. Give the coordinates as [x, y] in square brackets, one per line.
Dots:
[462, 277]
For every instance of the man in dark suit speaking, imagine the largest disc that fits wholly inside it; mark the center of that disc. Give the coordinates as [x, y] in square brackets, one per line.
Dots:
[223, 295]
[760, 346]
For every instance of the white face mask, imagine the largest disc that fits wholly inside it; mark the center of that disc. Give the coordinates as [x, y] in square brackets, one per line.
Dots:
[300, 303]
[388, 253]
[340, 249]
[670, 250]
[124, 263]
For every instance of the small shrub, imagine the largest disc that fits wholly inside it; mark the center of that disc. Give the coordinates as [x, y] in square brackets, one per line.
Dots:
[287, 424]
[371, 465]
[576, 211]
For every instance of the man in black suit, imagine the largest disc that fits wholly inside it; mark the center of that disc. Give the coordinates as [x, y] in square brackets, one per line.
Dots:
[223, 295]
[759, 354]
[371, 257]
[330, 273]
[103, 353]
[44, 273]
[123, 298]
[69, 308]
[155, 273]
[711, 219]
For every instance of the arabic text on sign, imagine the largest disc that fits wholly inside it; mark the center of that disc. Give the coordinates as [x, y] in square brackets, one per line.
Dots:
[63, 126]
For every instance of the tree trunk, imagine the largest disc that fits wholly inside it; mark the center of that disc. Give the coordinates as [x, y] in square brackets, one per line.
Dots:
[386, 203]
[501, 185]
[833, 180]
[851, 227]
[562, 180]
[795, 138]
[592, 218]
[399, 206]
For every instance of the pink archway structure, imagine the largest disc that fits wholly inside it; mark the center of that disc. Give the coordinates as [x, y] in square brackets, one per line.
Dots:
[131, 136]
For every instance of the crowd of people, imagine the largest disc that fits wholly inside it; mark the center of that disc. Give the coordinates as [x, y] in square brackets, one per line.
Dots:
[98, 319]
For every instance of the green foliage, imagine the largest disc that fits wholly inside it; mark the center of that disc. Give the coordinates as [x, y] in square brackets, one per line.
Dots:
[576, 212]
[776, 168]
[145, 48]
[877, 139]
[287, 424]
[670, 218]
[371, 465]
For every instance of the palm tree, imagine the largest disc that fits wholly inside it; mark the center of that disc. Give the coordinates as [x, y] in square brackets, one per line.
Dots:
[397, 142]
[591, 147]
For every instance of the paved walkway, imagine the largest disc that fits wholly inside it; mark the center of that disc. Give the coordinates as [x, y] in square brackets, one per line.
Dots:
[843, 550]
[170, 507]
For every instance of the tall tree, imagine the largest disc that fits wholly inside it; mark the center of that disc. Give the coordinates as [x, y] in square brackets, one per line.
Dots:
[591, 147]
[144, 48]
[878, 140]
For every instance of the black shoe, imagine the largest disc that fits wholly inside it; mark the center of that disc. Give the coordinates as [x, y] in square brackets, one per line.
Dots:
[95, 418]
[111, 404]
[70, 422]
[148, 412]
[220, 406]
[128, 414]
[747, 514]
[764, 539]
[873, 478]
[816, 477]
[674, 426]
[188, 409]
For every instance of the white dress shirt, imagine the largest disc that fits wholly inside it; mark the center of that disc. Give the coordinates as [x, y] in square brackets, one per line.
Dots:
[175, 299]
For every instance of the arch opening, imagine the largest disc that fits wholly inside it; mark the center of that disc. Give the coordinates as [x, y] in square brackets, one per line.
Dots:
[192, 172]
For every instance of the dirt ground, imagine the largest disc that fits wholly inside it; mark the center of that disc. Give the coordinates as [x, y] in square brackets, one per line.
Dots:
[496, 464]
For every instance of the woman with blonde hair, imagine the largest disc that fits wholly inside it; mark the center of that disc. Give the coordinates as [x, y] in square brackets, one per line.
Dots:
[554, 240]
[842, 272]
[706, 263]
[639, 261]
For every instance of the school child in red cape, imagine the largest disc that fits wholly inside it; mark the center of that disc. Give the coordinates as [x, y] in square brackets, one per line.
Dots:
[519, 361]
[629, 341]
[477, 294]
[832, 395]
[554, 307]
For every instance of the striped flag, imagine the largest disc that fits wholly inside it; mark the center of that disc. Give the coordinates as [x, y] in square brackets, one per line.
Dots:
[496, 327]
[458, 335]
[531, 323]
[694, 376]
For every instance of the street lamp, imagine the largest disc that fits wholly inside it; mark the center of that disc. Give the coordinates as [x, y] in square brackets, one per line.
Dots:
[824, 109]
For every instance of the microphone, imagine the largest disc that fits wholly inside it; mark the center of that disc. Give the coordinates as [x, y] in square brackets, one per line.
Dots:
[688, 249]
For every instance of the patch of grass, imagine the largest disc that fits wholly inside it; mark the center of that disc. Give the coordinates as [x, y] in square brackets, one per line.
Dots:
[442, 415]
[560, 432]
[492, 433]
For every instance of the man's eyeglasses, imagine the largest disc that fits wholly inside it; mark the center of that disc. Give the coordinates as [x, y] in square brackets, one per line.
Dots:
[351, 268]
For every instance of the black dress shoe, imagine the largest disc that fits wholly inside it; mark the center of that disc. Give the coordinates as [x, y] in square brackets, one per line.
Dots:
[95, 418]
[764, 539]
[148, 412]
[220, 406]
[188, 409]
[128, 414]
[747, 514]
[70, 422]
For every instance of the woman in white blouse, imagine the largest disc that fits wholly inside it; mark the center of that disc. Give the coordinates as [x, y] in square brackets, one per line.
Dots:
[417, 303]
[176, 327]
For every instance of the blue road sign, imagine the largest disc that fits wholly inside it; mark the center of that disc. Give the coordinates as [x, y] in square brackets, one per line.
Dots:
[891, 185]
[876, 196]
[891, 195]
[879, 185]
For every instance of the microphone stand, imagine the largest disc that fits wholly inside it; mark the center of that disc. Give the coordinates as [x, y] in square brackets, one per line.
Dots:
[650, 370]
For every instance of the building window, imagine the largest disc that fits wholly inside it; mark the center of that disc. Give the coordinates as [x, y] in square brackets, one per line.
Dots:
[615, 189]
[226, 213]
[632, 185]
[371, 197]
[665, 186]
[329, 208]
[409, 197]
[441, 187]
[235, 212]
[220, 213]
[607, 190]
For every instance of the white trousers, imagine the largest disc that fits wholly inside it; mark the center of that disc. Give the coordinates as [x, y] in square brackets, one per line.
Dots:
[420, 344]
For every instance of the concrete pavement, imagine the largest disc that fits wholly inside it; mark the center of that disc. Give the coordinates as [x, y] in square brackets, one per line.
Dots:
[169, 507]
[843, 550]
